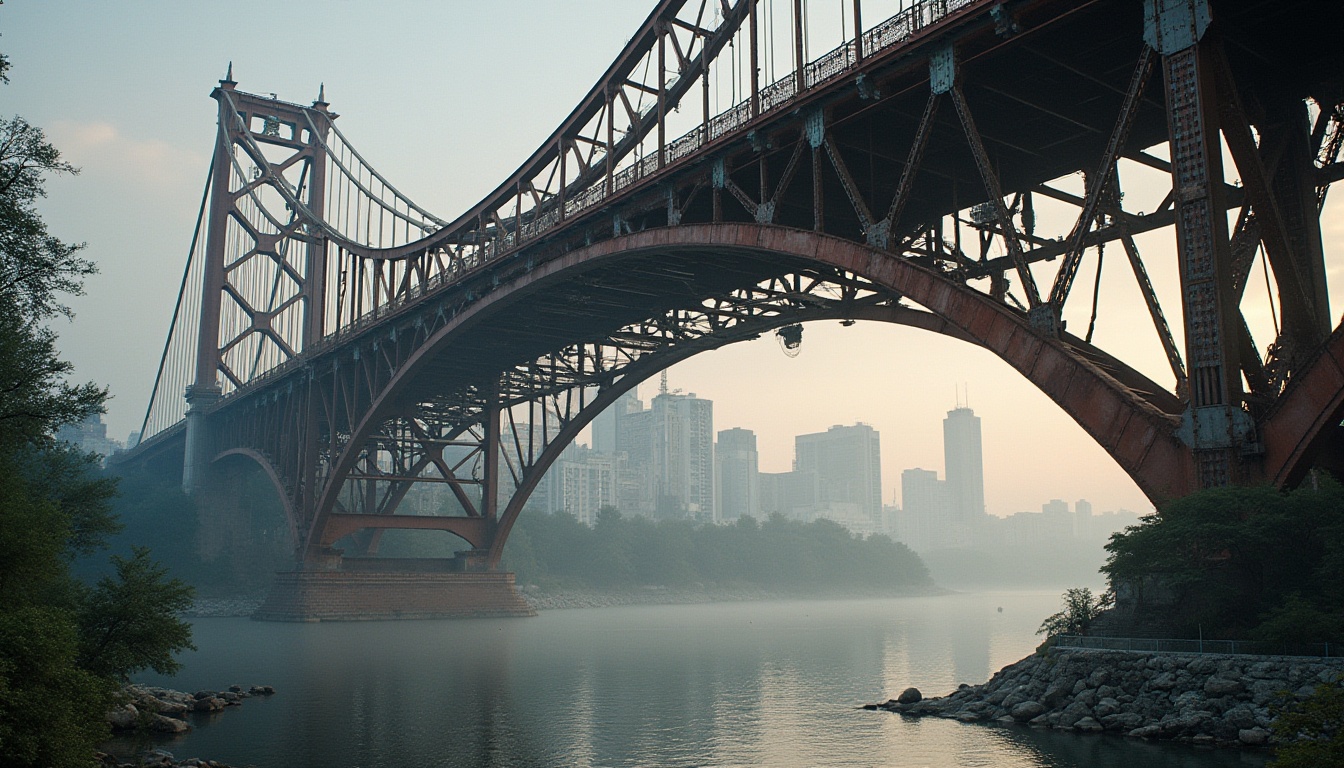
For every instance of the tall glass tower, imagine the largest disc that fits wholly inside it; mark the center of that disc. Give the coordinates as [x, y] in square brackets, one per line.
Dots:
[964, 466]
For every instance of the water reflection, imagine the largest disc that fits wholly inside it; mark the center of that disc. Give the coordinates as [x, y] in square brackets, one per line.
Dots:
[756, 684]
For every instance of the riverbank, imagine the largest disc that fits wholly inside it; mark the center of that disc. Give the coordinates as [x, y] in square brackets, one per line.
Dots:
[163, 711]
[1201, 699]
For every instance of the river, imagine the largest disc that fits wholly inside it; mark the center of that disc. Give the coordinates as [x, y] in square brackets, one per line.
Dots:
[772, 684]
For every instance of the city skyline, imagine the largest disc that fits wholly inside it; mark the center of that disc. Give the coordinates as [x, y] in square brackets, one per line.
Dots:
[774, 447]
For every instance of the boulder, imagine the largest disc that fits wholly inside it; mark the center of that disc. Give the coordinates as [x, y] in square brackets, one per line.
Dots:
[1253, 736]
[1106, 707]
[124, 718]
[1122, 721]
[1222, 686]
[164, 724]
[1073, 713]
[1027, 710]
[261, 690]
[1163, 682]
[1240, 717]
[209, 704]
[172, 708]
[1146, 732]
[1088, 725]
[910, 696]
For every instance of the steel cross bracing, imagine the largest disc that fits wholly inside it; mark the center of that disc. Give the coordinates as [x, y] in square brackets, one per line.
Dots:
[359, 335]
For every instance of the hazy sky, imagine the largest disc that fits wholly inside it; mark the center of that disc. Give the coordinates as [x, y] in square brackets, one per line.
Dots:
[446, 99]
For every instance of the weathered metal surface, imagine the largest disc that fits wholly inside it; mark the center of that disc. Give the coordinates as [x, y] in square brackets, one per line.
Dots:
[604, 258]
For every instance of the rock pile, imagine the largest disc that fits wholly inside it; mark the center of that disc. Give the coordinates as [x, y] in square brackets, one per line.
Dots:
[1201, 699]
[155, 759]
[162, 709]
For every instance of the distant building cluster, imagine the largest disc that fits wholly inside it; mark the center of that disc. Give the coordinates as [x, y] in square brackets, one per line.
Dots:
[90, 436]
[950, 513]
[663, 460]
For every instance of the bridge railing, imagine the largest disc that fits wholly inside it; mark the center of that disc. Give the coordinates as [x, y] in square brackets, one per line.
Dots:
[1221, 647]
[465, 258]
[895, 30]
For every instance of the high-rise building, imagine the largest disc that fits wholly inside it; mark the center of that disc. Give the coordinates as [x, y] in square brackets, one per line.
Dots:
[738, 480]
[792, 494]
[607, 427]
[581, 483]
[923, 523]
[848, 464]
[1082, 519]
[963, 466]
[90, 435]
[667, 456]
[683, 430]
[1056, 520]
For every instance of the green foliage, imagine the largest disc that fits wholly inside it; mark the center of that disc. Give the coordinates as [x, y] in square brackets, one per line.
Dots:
[36, 269]
[130, 623]
[51, 710]
[1232, 557]
[777, 553]
[1081, 607]
[1312, 731]
[57, 675]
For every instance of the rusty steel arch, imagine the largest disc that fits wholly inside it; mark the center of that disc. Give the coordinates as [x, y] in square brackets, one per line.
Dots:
[1135, 432]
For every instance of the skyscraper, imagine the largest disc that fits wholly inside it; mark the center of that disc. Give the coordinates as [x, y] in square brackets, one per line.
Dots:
[668, 456]
[581, 483]
[738, 480]
[923, 524]
[963, 466]
[848, 464]
[607, 430]
[683, 455]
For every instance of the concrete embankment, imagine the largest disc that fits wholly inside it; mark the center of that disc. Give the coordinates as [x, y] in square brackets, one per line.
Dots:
[1204, 699]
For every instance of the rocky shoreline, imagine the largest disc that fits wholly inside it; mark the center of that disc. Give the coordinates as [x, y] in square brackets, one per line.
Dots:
[1201, 699]
[163, 711]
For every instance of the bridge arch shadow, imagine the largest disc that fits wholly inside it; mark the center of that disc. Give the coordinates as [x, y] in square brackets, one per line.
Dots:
[1133, 419]
[246, 526]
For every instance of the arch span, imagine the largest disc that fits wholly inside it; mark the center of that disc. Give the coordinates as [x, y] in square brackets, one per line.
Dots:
[1304, 425]
[1137, 434]
[268, 469]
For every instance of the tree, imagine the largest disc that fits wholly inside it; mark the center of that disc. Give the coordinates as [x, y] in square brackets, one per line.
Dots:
[63, 647]
[1231, 559]
[1312, 731]
[129, 623]
[36, 270]
[1081, 608]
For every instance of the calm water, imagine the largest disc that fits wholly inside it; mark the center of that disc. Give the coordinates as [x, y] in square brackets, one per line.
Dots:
[730, 684]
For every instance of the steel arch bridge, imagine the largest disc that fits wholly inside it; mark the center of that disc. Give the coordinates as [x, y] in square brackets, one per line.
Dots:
[354, 345]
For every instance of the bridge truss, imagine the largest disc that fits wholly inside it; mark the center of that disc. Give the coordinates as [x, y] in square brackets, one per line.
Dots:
[959, 166]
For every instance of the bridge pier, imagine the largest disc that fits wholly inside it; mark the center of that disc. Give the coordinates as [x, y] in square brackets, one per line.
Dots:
[199, 449]
[376, 588]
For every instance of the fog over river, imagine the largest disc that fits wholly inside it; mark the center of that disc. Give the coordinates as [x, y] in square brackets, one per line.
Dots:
[774, 684]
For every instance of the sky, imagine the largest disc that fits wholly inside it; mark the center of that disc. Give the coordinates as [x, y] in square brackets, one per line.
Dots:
[446, 98]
